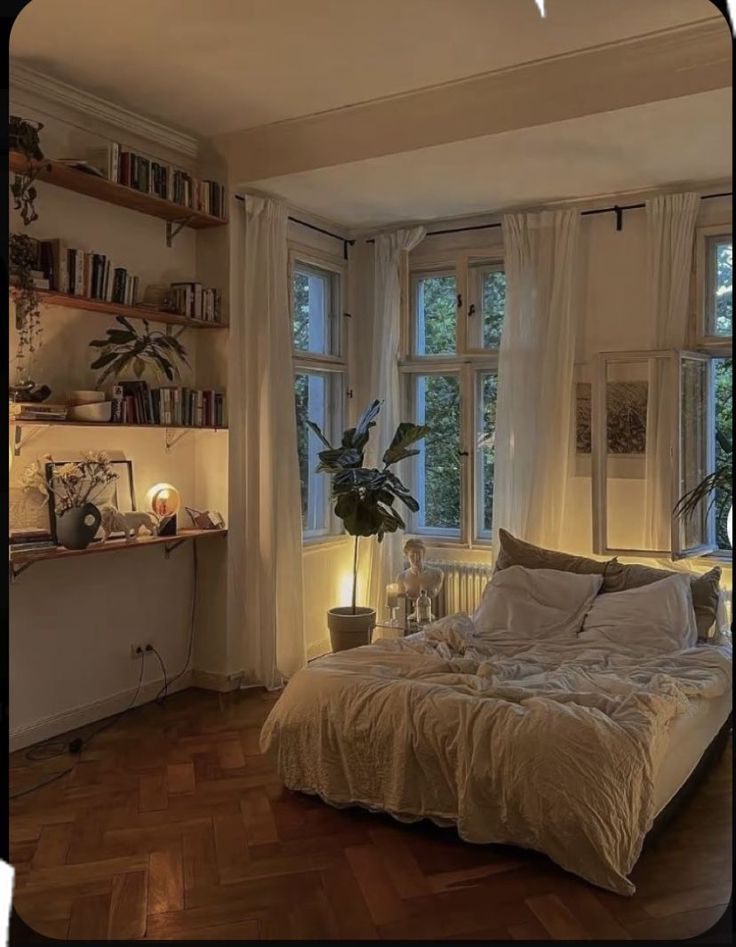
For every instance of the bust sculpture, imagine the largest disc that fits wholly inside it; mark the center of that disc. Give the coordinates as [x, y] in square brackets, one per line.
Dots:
[417, 577]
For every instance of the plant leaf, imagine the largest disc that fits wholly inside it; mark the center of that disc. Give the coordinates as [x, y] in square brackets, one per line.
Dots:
[139, 366]
[104, 360]
[318, 431]
[406, 434]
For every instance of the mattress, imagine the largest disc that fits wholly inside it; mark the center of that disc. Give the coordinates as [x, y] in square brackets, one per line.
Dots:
[690, 735]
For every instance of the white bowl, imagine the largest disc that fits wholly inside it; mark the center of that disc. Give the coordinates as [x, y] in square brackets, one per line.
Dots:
[86, 397]
[91, 412]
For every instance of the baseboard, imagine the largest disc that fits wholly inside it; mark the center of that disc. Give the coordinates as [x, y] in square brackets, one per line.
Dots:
[216, 681]
[56, 724]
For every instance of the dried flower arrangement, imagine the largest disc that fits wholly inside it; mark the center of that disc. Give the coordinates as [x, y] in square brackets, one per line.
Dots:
[73, 484]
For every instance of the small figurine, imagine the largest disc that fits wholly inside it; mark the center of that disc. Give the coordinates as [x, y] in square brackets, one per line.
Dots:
[113, 521]
[419, 583]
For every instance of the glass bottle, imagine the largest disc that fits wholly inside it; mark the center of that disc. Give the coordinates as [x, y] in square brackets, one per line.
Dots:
[423, 608]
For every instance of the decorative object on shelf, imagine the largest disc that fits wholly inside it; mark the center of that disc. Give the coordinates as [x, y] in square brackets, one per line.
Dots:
[364, 501]
[127, 347]
[129, 524]
[70, 489]
[164, 500]
[392, 600]
[418, 582]
[27, 393]
[161, 297]
[100, 412]
[205, 519]
[23, 292]
[23, 138]
[76, 526]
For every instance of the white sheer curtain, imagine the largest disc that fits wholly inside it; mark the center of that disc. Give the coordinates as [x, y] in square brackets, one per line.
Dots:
[534, 415]
[670, 235]
[265, 598]
[385, 557]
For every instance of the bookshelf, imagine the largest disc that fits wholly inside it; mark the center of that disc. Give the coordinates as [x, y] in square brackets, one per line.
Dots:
[52, 298]
[54, 172]
[21, 560]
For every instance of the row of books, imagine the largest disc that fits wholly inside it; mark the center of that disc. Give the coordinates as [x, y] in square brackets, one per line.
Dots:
[197, 302]
[135, 402]
[82, 273]
[162, 180]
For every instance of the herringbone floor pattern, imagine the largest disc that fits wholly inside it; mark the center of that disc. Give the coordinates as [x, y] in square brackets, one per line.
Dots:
[173, 826]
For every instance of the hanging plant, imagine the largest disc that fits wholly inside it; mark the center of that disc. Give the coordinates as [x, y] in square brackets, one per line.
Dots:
[23, 260]
[126, 347]
[23, 137]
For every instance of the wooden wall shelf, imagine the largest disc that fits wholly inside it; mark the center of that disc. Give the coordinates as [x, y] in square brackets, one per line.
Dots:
[156, 427]
[52, 298]
[21, 560]
[103, 190]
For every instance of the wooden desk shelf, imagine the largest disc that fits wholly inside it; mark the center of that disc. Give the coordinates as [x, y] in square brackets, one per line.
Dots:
[24, 559]
[52, 298]
[54, 172]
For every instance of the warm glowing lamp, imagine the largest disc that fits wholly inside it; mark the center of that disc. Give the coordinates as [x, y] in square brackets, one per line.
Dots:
[164, 500]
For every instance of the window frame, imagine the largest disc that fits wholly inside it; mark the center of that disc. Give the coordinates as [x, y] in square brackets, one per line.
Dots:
[701, 336]
[317, 362]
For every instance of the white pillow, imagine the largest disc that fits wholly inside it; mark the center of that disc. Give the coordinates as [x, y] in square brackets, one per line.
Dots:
[535, 603]
[659, 615]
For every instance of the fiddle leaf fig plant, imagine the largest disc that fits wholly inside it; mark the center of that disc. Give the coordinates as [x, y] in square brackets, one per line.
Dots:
[127, 347]
[365, 497]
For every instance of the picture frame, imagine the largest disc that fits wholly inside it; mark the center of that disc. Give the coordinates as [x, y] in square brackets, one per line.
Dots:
[120, 493]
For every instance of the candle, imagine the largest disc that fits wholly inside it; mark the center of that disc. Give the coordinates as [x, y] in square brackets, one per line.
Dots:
[392, 595]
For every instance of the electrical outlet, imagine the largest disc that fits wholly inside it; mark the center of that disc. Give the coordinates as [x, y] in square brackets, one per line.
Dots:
[137, 650]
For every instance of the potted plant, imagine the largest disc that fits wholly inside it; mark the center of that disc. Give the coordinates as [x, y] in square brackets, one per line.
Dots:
[23, 292]
[718, 482]
[364, 500]
[73, 487]
[23, 137]
[126, 347]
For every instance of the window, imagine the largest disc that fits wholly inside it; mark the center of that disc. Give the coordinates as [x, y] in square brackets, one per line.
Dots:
[722, 421]
[719, 286]
[315, 308]
[319, 380]
[450, 384]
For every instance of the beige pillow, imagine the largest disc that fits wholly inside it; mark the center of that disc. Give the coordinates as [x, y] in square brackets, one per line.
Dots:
[616, 576]
[515, 552]
[704, 589]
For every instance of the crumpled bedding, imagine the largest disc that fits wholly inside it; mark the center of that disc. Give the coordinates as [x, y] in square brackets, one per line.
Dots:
[549, 744]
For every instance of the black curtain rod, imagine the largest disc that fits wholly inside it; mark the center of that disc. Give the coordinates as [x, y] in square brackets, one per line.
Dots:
[303, 223]
[617, 209]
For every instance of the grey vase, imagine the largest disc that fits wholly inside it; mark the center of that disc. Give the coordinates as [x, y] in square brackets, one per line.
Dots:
[76, 528]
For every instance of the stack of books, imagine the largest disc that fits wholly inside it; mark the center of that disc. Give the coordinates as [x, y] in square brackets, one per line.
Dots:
[159, 179]
[193, 300]
[81, 273]
[37, 411]
[135, 402]
[29, 539]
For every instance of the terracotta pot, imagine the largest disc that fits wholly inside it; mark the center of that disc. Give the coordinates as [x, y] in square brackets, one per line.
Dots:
[76, 528]
[348, 630]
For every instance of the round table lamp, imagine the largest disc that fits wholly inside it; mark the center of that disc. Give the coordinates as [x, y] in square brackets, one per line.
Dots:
[164, 500]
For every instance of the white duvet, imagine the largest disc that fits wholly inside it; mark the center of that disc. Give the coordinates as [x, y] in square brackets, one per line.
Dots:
[547, 743]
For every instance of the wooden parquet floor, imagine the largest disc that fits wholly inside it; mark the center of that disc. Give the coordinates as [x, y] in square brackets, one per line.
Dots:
[173, 826]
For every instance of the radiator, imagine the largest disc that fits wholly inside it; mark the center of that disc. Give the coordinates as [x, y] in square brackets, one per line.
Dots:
[462, 588]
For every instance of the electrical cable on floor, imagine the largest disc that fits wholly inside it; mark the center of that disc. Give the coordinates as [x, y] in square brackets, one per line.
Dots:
[78, 744]
[163, 671]
[191, 625]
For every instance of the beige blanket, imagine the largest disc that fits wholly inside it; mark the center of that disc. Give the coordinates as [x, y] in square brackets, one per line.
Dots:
[547, 745]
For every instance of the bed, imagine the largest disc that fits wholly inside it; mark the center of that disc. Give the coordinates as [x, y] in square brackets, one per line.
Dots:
[544, 721]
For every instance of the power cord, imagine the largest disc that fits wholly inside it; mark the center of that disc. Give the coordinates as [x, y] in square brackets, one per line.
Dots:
[159, 698]
[167, 684]
[78, 744]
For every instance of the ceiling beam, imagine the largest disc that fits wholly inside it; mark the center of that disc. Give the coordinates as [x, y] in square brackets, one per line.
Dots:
[664, 65]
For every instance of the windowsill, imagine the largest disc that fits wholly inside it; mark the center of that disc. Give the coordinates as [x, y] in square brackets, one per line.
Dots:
[312, 543]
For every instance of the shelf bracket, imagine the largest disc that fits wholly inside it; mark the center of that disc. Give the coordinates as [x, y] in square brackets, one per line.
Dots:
[170, 547]
[19, 441]
[15, 571]
[172, 437]
[173, 227]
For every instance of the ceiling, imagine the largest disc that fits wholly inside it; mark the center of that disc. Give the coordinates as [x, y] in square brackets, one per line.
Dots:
[212, 66]
[687, 139]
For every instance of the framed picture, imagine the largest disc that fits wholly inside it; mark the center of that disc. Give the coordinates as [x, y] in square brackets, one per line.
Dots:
[627, 417]
[119, 493]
